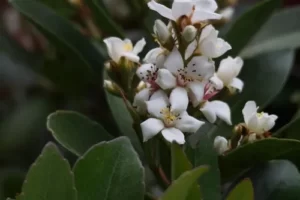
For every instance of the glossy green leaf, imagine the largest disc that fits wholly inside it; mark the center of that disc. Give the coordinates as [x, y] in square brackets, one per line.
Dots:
[49, 178]
[180, 188]
[275, 180]
[22, 125]
[272, 37]
[104, 22]
[181, 164]
[203, 153]
[64, 36]
[290, 130]
[76, 132]
[249, 24]
[243, 191]
[264, 76]
[110, 171]
[63, 8]
[123, 120]
[260, 151]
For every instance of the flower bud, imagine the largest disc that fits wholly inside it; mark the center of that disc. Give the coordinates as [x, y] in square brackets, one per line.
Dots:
[189, 33]
[161, 31]
[111, 87]
[252, 137]
[221, 145]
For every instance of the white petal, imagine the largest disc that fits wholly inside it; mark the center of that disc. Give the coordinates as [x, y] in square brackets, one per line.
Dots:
[202, 15]
[270, 123]
[207, 31]
[253, 125]
[131, 56]
[165, 79]
[161, 9]
[237, 84]
[181, 8]
[221, 145]
[143, 70]
[214, 48]
[191, 49]
[114, 47]
[214, 109]
[227, 13]
[140, 100]
[210, 5]
[217, 82]
[188, 123]
[201, 65]
[152, 55]
[179, 100]
[248, 110]
[173, 135]
[139, 46]
[155, 106]
[197, 90]
[159, 94]
[174, 61]
[151, 127]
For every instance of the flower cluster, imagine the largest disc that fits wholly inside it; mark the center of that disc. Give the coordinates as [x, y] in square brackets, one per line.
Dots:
[179, 76]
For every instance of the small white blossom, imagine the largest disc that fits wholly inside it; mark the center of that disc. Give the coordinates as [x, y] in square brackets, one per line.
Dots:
[168, 117]
[228, 71]
[195, 10]
[192, 77]
[118, 48]
[213, 109]
[221, 145]
[209, 44]
[212, 88]
[227, 13]
[257, 122]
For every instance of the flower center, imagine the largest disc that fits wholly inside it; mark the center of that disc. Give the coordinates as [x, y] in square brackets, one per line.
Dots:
[186, 76]
[169, 117]
[210, 90]
[127, 47]
[260, 115]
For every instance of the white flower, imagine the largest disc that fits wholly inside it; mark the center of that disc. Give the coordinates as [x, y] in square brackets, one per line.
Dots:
[257, 122]
[156, 56]
[148, 74]
[195, 10]
[169, 117]
[212, 88]
[228, 71]
[214, 109]
[209, 44]
[221, 145]
[118, 48]
[192, 77]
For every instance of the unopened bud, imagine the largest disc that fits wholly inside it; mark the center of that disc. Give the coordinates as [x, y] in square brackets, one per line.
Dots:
[161, 31]
[111, 87]
[221, 145]
[189, 33]
[252, 137]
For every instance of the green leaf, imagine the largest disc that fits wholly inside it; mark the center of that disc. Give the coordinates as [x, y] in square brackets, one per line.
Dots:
[49, 178]
[204, 154]
[264, 76]
[76, 132]
[180, 188]
[21, 127]
[63, 35]
[181, 164]
[243, 191]
[260, 151]
[124, 121]
[249, 24]
[63, 8]
[290, 130]
[104, 22]
[275, 180]
[110, 171]
[272, 37]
